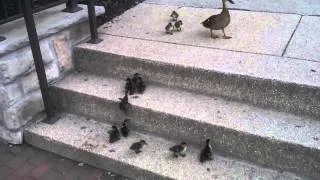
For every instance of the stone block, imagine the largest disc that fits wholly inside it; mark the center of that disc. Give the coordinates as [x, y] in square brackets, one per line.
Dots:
[30, 82]
[9, 94]
[20, 113]
[62, 49]
[14, 64]
[10, 136]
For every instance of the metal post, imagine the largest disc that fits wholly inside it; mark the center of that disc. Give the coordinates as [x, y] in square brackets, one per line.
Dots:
[34, 43]
[93, 23]
[2, 38]
[72, 6]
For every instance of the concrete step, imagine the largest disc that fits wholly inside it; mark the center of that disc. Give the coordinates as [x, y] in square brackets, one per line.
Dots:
[266, 137]
[86, 140]
[291, 85]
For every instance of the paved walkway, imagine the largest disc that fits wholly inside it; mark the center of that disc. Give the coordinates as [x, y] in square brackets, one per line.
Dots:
[24, 162]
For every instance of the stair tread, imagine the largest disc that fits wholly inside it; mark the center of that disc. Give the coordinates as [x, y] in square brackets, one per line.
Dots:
[286, 127]
[73, 133]
[258, 66]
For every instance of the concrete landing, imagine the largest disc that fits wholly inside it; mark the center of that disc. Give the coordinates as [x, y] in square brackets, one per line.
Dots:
[86, 140]
[254, 32]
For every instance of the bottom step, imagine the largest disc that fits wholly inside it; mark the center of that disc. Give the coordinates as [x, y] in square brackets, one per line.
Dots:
[86, 140]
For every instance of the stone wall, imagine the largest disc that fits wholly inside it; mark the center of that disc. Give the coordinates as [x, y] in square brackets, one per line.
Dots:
[20, 97]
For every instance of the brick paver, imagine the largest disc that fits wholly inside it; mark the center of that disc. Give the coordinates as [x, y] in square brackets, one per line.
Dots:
[24, 162]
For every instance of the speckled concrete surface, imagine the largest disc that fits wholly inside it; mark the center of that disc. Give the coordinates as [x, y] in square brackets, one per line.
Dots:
[267, 137]
[83, 139]
[306, 40]
[288, 84]
[305, 7]
[255, 32]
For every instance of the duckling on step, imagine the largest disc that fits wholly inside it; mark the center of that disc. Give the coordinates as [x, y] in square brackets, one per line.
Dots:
[169, 28]
[137, 146]
[219, 21]
[174, 15]
[129, 86]
[178, 25]
[114, 134]
[141, 86]
[206, 153]
[125, 129]
[124, 103]
[179, 149]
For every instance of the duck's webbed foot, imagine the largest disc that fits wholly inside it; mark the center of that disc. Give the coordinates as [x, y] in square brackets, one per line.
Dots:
[215, 37]
[225, 36]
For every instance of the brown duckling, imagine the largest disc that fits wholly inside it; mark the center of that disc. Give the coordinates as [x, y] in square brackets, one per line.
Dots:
[169, 28]
[179, 149]
[137, 146]
[125, 129]
[219, 21]
[114, 134]
[174, 15]
[178, 25]
[124, 103]
[206, 153]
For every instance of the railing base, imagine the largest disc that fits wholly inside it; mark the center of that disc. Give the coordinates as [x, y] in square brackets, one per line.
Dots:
[72, 10]
[2, 38]
[51, 120]
[95, 41]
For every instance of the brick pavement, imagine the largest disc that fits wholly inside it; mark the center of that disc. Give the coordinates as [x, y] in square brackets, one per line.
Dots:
[24, 162]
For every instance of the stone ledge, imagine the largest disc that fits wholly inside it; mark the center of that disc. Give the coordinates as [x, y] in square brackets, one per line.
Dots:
[48, 22]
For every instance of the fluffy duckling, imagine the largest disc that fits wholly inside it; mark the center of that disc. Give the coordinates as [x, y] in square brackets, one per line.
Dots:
[206, 153]
[141, 87]
[124, 103]
[179, 149]
[125, 129]
[174, 15]
[129, 86]
[178, 25]
[135, 78]
[169, 28]
[114, 134]
[137, 146]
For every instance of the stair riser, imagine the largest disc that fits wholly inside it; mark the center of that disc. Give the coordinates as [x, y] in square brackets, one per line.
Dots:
[241, 145]
[90, 158]
[267, 93]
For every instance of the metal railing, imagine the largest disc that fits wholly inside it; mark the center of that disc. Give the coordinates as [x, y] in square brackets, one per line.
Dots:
[27, 12]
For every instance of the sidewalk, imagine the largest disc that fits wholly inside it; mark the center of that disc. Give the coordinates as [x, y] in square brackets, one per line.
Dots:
[24, 162]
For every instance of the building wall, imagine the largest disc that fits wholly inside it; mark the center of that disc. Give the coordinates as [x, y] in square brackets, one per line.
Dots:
[20, 97]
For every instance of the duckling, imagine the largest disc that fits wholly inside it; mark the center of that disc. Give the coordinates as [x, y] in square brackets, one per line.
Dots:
[169, 28]
[124, 103]
[129, 86]
[125, 129]
[178, 25]
[114, 134]
[206, 153]
[219, 21]
[137, 146]
[135, 79]
[174, 15]
[179, 149]
[141, 87]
